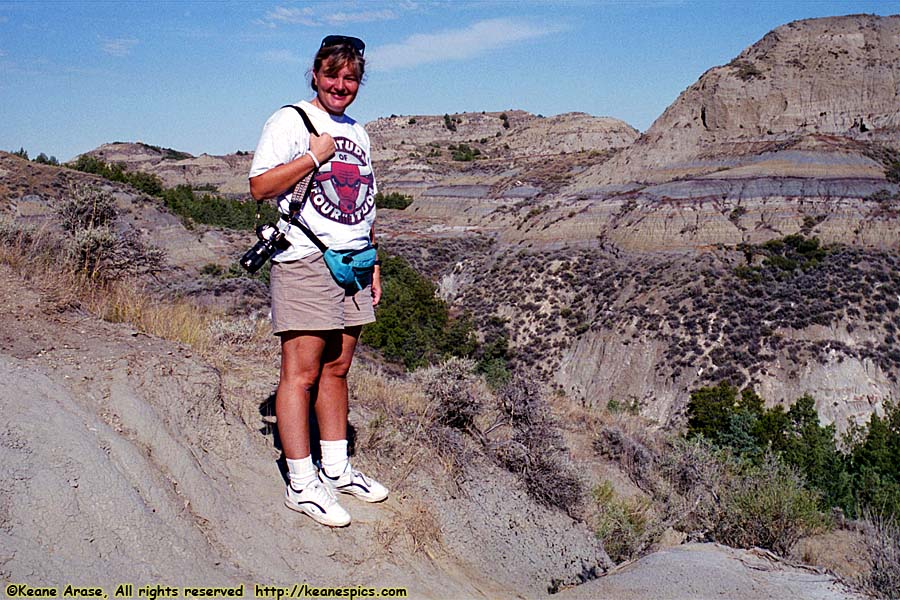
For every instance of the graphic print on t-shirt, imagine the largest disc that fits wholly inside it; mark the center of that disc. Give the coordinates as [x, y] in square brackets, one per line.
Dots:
[343, 190]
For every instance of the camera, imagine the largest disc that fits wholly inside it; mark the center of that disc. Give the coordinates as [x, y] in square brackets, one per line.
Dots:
[270, 240]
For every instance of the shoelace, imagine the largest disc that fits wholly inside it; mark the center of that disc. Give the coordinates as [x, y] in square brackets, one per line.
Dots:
[330, 496]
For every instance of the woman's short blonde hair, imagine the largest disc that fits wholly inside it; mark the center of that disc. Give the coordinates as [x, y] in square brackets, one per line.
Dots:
[331, 59]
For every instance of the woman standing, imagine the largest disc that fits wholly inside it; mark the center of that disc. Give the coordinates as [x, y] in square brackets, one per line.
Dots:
[318, 322]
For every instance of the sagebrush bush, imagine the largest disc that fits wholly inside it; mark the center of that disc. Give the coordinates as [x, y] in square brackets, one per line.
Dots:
[534, 448]
[522, 403]
[883, 543]
[95, 248]
[711, 494]
[86, 208]
[551, 479]
[239, 330]
[450, 390]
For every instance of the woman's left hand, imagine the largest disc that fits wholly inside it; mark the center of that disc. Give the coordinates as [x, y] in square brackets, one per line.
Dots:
[376, 286]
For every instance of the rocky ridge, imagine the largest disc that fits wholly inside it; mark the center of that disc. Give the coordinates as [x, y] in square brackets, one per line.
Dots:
[226, 174]
[31, 193]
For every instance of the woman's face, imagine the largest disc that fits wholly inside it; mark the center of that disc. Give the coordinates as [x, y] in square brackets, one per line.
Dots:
[338, 91]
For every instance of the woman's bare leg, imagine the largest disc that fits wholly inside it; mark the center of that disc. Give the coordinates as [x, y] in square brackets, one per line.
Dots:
[301, 364]
[332, 405]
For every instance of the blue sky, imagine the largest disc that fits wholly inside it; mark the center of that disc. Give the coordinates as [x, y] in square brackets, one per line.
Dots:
[204, 76]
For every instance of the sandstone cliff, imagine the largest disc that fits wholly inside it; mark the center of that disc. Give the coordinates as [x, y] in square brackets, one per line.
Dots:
[835, 76]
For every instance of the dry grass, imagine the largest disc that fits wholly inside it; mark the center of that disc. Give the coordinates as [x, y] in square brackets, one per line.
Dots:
[28, 248]
[129, 302]
[415, 527]
[398, 422]
[40, 254]
[373, 388]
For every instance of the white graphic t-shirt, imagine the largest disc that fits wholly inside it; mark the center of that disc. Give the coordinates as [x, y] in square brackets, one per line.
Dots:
[341, 205]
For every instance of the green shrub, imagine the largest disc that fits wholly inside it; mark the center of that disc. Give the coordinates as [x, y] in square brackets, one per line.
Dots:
[711, 492]
[892, 171]
[766, 505]
[414, 325]
[620, 524]
[46, 160]
[215, 210]
[143, 182]
[212, 270]
[449, 123]
[235, 270]
[631, 407]
[168, 153]
[866, 475]
[463, 152]
[889, 158]
[393, 200]
[875, 462]
[745, 70]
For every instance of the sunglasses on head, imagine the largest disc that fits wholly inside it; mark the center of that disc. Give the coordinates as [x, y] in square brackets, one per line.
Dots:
[339, 40]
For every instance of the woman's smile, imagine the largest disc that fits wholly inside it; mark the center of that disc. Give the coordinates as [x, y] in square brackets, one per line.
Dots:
[337, 92]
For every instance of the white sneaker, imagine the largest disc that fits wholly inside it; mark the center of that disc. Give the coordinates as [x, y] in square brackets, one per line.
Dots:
[356, 484]
[319, 502]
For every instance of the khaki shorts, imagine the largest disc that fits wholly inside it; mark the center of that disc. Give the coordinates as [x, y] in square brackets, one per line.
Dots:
[306, 298]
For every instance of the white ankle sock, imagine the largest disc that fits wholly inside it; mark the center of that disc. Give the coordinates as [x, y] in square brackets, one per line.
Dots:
[334, 457]
[301, 471]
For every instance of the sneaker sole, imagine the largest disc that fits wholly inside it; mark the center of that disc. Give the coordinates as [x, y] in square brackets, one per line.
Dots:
[315, 517]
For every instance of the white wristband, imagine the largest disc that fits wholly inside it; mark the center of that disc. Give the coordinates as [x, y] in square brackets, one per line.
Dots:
[314, 159]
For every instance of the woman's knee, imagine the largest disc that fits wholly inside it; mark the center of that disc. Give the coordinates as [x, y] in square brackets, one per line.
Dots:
[304, 379]
[337, 368]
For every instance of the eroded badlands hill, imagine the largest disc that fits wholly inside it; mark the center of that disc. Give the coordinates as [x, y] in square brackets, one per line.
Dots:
[812, 98]
[226, 174]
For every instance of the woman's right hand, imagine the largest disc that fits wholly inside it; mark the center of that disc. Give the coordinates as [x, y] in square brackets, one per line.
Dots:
[322, 146]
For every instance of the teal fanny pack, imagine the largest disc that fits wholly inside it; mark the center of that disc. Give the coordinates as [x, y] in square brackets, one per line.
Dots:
[351, 269]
